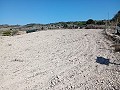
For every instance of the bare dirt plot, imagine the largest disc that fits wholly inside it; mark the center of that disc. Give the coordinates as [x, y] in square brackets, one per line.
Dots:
[58, 60]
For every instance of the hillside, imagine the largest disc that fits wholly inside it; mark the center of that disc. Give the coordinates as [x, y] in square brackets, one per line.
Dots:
[116, 18]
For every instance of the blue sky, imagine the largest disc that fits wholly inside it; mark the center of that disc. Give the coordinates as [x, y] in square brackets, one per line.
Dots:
[50, 11]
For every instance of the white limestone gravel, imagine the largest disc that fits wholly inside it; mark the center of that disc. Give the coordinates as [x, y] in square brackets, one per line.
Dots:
[58, 60]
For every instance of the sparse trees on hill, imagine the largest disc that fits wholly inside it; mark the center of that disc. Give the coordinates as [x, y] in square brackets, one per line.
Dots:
[116, 17]
[100, 22]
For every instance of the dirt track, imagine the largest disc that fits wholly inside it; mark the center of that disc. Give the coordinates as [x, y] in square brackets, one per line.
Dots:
[58, 60]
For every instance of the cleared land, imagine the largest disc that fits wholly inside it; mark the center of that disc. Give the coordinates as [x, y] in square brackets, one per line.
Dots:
[58, 60]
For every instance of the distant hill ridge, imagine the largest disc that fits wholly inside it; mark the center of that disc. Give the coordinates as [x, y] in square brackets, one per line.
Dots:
[66, 25]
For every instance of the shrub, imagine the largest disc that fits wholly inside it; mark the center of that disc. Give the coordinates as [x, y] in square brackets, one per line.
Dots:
[9, 32]
[6, 33]
[29, 31]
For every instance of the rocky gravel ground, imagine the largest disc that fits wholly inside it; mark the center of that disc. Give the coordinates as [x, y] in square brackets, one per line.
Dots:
[59, 60]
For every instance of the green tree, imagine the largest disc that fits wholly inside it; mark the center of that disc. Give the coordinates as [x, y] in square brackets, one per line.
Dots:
[90, 21]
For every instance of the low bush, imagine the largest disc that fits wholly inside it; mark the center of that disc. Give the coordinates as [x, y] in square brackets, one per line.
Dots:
[9, 32]
[6, 33]
[30, 31]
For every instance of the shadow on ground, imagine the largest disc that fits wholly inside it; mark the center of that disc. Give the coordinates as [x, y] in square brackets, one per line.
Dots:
[104, 61]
